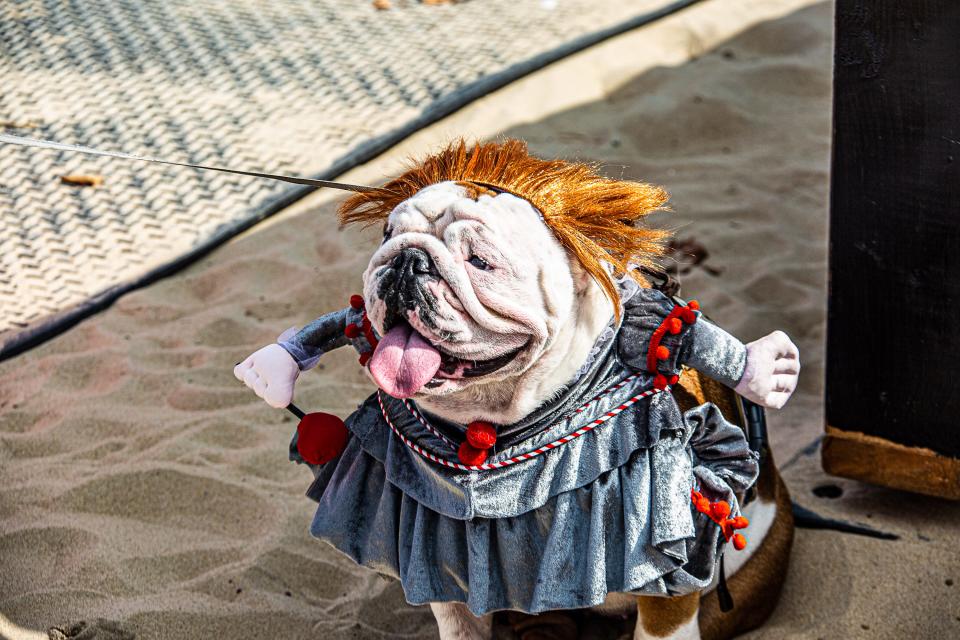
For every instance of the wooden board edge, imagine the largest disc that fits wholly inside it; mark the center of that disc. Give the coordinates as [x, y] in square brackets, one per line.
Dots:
[860, 456]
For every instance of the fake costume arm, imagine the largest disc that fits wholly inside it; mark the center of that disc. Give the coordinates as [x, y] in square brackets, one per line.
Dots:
[711, 350]
[764, 371]
[332, 331]
[317, 338]
[273, 370]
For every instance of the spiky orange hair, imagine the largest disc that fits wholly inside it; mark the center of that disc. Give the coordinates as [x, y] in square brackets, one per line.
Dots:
[593, 217]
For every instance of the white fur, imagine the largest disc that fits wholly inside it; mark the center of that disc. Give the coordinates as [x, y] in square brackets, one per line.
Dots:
[455, 622]
[689, 630]
[773, 366]
[761, 516]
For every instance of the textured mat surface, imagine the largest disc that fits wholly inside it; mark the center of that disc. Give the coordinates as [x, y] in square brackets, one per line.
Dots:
[310, 87]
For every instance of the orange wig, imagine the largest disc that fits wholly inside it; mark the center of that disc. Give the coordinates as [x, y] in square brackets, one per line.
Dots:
[593, 217]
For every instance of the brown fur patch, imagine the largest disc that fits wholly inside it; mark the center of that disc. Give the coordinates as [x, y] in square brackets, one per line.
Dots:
[694, 389]
[756, 587]
[594, 218]
[660, 617]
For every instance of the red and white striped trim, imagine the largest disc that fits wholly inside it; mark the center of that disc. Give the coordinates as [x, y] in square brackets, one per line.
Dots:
[590, 426]
[423, 421]
[607, 391]
[429, 427]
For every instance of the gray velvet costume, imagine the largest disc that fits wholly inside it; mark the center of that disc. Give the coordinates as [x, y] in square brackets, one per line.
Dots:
[607, 512]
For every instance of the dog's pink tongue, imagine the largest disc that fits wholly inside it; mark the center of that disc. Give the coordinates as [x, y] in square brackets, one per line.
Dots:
[403, 362]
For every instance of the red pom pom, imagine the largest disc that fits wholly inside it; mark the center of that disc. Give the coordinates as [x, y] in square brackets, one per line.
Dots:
[351, 331]
[356, 301]
[364, 358]
[693, 304]
[675, 325]
[726, 529]
[470, 455]
[719, 510]
[662, 353]
[740, 522]
[739, 542]
[674, 379]
[321, 437]
[481, 435]
[688, 316]
[703, 505]
[660, 382]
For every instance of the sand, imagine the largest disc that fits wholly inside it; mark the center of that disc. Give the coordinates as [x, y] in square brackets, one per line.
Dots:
[139, 481]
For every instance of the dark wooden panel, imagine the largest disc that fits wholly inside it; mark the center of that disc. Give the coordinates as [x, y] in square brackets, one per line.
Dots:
[893, 347]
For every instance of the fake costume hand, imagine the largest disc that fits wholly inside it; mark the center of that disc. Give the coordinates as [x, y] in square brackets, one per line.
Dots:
[773, 366]
[271, 372]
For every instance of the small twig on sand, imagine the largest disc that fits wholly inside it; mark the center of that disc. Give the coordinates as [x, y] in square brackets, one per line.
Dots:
[83, 180]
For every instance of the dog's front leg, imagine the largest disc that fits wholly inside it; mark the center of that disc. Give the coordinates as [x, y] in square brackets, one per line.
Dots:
[457, 623]
[673, 618]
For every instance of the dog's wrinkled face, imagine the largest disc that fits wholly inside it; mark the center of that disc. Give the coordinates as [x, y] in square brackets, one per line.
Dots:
[468, 288]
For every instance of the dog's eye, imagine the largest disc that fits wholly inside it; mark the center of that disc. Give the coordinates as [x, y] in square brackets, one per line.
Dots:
[479, 262]
[387, 232]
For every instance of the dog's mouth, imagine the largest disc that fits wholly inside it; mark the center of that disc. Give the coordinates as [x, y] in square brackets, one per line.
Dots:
[452, 366]
[405, 362]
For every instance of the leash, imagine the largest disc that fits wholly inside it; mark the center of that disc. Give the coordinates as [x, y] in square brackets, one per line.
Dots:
[74, 148]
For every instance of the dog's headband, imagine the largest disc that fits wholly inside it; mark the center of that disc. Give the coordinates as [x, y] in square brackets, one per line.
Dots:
[498, 189]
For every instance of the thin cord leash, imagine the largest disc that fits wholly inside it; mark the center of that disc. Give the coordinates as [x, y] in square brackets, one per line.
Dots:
[59, 146]
[523, 456]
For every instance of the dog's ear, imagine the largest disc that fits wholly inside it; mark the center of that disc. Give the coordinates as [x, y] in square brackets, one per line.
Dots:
[582, 280]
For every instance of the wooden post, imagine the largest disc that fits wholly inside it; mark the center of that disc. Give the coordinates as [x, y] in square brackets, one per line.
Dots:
[893, 346]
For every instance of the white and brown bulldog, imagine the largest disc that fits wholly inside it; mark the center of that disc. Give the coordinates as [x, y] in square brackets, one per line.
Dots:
[483, 311]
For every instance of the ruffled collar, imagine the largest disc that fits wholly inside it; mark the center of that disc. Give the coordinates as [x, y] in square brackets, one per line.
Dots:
[600, 369]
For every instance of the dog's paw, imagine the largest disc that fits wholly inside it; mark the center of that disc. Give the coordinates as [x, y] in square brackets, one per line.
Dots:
[271, 372]
[773, 366]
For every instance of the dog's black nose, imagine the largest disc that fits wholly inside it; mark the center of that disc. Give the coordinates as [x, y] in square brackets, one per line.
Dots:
[413, 262]
[403, 287]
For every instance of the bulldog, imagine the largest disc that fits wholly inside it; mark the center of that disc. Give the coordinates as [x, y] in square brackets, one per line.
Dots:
[524, 450]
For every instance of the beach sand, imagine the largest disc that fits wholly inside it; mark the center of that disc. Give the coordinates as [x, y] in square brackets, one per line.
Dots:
[139, 481]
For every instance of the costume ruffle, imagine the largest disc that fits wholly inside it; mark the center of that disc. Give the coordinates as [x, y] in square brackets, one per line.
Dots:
[512, 490]
[607, 512]
[631, 529]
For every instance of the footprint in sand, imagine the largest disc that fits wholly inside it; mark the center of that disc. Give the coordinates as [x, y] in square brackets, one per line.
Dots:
[175, 499]
[280, 571]
[227, 332]
[151, 573]
[224, 434]
[33, 558]
[97, 374]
